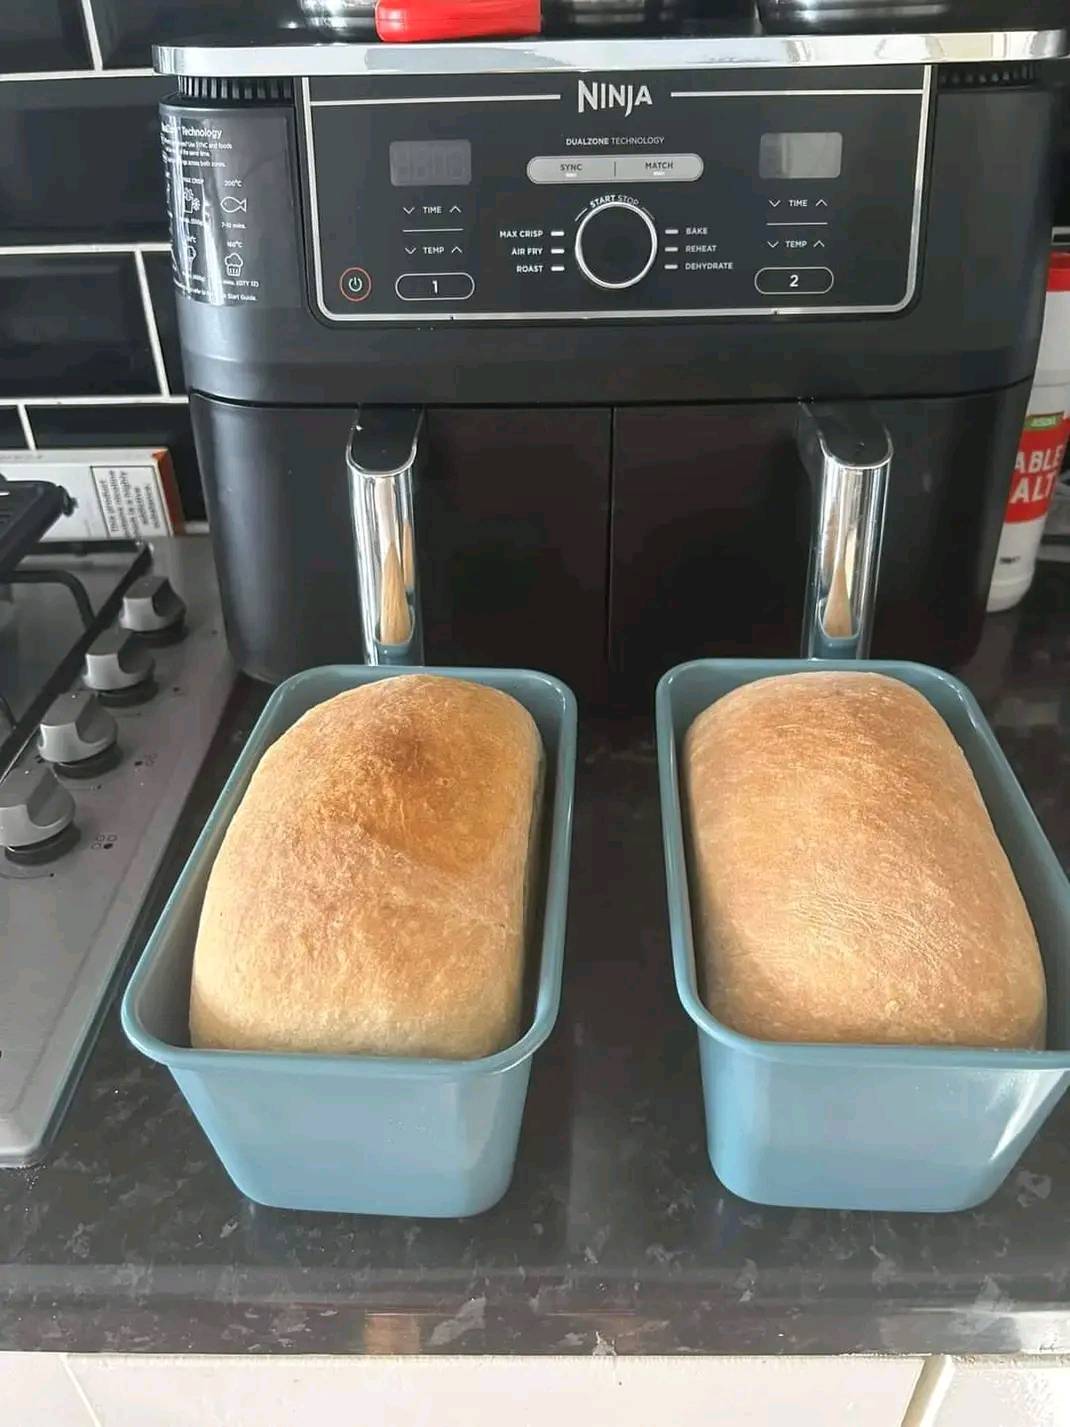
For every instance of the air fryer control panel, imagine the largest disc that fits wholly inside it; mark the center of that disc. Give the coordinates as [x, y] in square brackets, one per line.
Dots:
[659, 194]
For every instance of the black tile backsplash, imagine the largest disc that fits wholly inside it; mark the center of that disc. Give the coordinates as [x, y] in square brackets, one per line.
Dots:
[128, 29]
[162, 288]
[81, 160]
[11, 433]
[73, 326]
[80, 164]
[141, 425]
[42, 35]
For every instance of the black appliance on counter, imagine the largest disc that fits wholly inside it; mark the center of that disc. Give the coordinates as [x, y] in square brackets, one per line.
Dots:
[601, 275]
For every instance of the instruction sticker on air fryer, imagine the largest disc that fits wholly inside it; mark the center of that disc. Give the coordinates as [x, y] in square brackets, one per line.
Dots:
[229, 198]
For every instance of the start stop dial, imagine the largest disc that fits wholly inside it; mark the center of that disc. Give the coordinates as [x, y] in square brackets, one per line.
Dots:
[616, 244]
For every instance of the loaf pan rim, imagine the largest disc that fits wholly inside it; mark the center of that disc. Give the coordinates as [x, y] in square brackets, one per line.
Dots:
[827, 1053]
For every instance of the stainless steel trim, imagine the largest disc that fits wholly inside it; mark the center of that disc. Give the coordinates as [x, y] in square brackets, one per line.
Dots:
[535, 56]
[847, 454]
[686, 313]
[313, 201]
[381, 456]
[343, 17]
[92, 35]
[919, 188]
[581, 261]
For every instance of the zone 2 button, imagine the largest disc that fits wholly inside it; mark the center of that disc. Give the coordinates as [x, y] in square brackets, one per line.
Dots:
[788, 280]
[355, 284]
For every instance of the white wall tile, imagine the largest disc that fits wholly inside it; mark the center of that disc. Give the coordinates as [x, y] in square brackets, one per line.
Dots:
[995, 1392]
[487, 1392]
[36, 1391]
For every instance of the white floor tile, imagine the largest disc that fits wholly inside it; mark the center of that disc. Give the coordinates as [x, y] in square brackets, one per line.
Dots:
[490, 1392]
[1007, 1393]
[36, 1391]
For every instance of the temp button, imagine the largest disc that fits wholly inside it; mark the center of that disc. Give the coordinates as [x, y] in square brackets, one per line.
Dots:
[785, 281]
[435, 287]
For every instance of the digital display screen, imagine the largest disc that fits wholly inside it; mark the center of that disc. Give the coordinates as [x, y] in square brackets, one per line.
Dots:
[431, 163]
[800, 156]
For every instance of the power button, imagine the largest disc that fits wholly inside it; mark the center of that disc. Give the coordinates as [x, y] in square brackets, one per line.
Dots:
[355, 284]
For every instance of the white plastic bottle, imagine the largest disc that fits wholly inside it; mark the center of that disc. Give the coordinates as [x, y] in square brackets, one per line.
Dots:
[1041, 450]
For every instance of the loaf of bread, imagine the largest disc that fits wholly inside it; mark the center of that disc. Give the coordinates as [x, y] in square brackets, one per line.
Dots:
[846, 881]
[370, 895]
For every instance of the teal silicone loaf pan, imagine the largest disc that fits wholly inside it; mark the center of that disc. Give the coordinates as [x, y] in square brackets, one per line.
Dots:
[362, 1134]
[855, 1126]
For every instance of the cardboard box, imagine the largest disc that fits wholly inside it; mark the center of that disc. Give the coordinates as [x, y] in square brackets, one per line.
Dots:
[118, 494]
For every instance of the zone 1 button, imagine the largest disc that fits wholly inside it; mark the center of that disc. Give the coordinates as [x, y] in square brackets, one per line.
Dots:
[355, 284]
[435, 287]
[788, 280]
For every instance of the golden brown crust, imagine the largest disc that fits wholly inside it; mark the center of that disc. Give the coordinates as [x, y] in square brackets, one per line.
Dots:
[369, 895]
[847, 882]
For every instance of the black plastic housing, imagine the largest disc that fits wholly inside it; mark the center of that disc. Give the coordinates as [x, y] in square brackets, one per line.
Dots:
[604, 499]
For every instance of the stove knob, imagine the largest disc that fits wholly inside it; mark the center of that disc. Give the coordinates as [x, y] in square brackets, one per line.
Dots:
[78, 735]
[119, 668]
[36, 814]
[616, 245]
[152, 609]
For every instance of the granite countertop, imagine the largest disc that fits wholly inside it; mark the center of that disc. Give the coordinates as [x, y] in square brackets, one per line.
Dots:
[615, 1236]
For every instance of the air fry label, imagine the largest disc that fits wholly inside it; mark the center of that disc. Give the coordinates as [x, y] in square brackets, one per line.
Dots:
[1037, 466]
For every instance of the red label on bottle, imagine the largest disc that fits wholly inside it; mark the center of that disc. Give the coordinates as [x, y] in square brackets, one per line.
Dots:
[1037, 467]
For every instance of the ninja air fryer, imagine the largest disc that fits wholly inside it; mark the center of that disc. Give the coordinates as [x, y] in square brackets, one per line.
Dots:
[568, 295]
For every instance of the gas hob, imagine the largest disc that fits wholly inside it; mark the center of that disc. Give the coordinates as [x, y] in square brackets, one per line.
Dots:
[102, 733]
